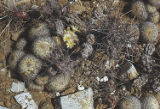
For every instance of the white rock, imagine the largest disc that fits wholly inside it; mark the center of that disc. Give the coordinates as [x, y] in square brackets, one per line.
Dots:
[58, 94]
[18, 87]
[112, 93]
[117, 65]
[105, 79]
[132, 72]
[34, 7]
[129, 72]
[26, 101]
[80, 87]
[3, 69]
[129, 45]
[123, 88]
[79, 100]
[109, 64]
[98, 79]
[1, 107]
[101, 80]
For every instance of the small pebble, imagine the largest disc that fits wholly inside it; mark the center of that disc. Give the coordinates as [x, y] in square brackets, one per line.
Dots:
[18, 87]
[129, 72]
[104, 79]
[91, 39]
[87, 51]
[58, 94]
[26, 101]
[80, 87]
[98, 79]
[59, 27]
[35, 7]
[109, 64]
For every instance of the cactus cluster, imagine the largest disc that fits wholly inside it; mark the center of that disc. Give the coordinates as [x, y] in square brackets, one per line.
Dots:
[35, 56]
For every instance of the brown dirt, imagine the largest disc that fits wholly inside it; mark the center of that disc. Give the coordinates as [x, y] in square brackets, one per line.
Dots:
[85, 73]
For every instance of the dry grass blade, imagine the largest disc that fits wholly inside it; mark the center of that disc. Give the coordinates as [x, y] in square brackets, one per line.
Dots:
[3, 17]
[2, 32]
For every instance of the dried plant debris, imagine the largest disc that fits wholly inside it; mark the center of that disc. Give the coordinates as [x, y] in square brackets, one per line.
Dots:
[148, 61]
[118, 39]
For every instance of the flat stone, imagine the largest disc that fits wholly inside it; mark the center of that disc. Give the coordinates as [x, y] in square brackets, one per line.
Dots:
[1, 107]
[18, 87]
[79, 100]
[26, 101]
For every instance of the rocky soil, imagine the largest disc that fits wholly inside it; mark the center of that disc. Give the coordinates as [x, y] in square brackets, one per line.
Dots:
[114, 49]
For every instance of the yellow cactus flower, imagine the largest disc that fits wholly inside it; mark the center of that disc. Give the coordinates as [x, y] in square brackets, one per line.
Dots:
[70, 37]
[66, 37]
[74, 29]
[70, 44]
